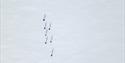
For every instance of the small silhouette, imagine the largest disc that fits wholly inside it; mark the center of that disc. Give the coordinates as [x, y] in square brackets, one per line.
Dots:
[50, 26]
[44, 17]
[46, 32]
[45, 26]
[51, 39]
[46, 40]
[52, 52]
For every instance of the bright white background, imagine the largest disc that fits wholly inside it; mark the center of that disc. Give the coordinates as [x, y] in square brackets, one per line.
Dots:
[85, 31]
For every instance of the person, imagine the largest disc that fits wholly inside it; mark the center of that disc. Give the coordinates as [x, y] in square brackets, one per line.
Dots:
[44, 17]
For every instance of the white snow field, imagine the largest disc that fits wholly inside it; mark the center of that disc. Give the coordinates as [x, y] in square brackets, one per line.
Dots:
[84, 31]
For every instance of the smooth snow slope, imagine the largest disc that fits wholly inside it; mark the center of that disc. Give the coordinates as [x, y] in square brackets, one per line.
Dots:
[85, 31]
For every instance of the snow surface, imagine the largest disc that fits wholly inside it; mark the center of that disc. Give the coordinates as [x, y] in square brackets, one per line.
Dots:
[85, 31]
